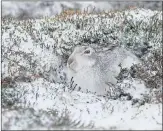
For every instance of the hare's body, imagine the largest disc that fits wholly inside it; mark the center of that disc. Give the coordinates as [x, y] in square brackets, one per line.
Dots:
[94, 72]
[89, 80]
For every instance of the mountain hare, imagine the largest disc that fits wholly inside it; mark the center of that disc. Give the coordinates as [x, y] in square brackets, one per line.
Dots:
[95, 72]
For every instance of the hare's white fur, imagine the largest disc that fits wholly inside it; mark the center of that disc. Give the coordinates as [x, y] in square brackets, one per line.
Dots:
[93, 71]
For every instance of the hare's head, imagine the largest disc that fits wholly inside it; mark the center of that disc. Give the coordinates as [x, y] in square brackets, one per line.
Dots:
[82, 57]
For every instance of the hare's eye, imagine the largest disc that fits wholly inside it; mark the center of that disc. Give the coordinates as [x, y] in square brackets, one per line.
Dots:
[87, 52]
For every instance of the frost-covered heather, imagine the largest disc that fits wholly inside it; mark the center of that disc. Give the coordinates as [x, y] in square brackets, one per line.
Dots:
[35, 94]
[36, 9]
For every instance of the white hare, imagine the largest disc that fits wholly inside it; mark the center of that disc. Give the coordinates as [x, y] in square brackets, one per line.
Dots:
[93, 71]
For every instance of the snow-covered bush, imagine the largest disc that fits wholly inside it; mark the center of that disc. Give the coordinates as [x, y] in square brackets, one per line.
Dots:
[34, 55]
[36, 9]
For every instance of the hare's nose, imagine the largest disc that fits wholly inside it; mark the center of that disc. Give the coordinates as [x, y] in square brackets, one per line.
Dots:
[70, 60]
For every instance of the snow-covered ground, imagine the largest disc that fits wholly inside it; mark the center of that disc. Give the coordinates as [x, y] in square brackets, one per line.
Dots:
[24, 10]
[35, 94]
[75, 109]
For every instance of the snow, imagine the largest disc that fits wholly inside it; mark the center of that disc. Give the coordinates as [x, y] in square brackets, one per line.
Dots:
[102, 112]
[85, 108]
[43, 104]
[134, 118]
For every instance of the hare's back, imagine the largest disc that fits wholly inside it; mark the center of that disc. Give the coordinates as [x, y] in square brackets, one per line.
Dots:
[112, 60]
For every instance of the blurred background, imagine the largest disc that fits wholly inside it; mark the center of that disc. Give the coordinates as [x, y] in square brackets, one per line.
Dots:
[38, 9]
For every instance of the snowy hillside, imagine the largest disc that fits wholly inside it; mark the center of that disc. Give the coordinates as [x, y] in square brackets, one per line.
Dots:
[35, 93]
[25, 10]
